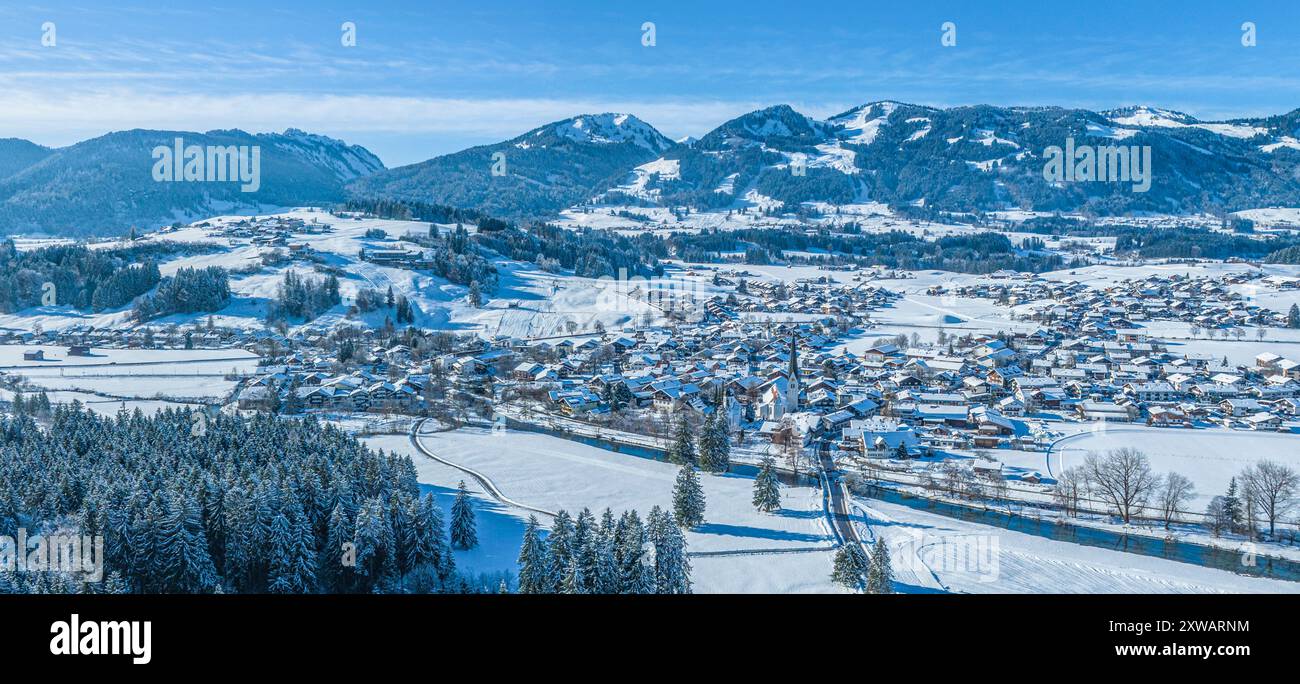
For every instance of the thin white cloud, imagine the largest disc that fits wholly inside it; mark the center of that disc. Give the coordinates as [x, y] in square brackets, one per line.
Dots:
[54, 118]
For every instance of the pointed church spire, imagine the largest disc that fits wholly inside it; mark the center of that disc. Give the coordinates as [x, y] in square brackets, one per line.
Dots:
[792, 394]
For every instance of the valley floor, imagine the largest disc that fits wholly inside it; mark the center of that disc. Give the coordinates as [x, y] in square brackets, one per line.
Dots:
[739, 550]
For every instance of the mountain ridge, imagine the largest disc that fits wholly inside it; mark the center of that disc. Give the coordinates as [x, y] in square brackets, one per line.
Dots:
[919, 158]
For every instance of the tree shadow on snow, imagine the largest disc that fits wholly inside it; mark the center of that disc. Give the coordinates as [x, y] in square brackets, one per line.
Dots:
[756, 532]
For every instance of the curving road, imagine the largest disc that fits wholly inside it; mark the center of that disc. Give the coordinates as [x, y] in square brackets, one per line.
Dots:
[488, 484]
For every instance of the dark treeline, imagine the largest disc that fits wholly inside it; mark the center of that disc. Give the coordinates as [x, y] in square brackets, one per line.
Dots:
[82, 278]
[588, 253]
[412, 211]
[976, 253]
[1185, 243]
[301, 297]
[191, 503]
[456, 258]
[190, 290]
[1175, 243]
[595, 253]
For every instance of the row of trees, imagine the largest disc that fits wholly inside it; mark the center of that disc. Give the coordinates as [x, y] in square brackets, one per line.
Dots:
[1124, 481]
[189, 290]
[370, 299]
[80, 277]
[853, 569]
[711, 451]
[303, 298]
[623, 556]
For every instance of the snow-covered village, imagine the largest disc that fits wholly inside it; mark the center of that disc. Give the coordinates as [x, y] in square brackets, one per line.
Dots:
[367, 333]
[974, 423]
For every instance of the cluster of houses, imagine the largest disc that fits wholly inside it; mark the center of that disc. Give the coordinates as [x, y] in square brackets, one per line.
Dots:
[1209, 303]
[797, 380]
[269, 231]
[82, 338]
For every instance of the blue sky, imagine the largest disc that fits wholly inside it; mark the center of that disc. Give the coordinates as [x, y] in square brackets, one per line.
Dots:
[435, 76]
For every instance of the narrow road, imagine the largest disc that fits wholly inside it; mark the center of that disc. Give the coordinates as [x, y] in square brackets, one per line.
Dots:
[488, 485]
[839, 510]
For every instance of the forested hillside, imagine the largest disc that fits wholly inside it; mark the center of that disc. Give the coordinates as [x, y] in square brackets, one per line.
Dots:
[191, 503]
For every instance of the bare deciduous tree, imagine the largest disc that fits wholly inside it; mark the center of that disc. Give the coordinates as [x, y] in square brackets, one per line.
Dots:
[1122, 478]
[1071, 486]
[1175, 491]
[1271, 487]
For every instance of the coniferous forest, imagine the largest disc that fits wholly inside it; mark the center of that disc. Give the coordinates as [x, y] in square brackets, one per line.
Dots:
[193, 503]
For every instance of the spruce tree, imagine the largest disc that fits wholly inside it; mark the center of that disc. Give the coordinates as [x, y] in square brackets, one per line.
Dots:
[432, 547]
[688, 498]
[464, 534]
[682, 450]
[562, 550]
[721, 442]
[1293, 317]
[606, 577]
[672, 567]
[850, 568]
[335, 576]
[574, 581]
[586, 535]
[1232, 506]
[182, 559]
[707, 446]
[880, 574]
[767, 490]
[634, 575]
[533, 562]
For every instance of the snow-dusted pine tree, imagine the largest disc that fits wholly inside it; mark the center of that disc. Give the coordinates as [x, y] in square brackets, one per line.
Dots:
[708, 447]
[672, 568]
[606, 578]
[688, 498]
[880, 574]
[561, 546]
[533, 562]
[682, 450]
[464, 532]
[767, 491]
[586, 535]
[850, 569]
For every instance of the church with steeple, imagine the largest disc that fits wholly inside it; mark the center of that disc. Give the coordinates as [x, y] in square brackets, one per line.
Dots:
[792, 384]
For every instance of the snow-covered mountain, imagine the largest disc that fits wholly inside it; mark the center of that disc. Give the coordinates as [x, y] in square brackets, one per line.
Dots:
[978, 158]
[903, 156]
[536, 174]
[106, 184]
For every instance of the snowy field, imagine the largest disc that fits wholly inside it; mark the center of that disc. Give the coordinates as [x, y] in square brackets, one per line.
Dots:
[111, 407]
[935, 553]
[1210, 457]
[136, 374]
[551, 473]
[11, 357]
[527, 303]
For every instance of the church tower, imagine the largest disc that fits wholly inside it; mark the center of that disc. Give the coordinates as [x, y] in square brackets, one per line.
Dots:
[792, 392]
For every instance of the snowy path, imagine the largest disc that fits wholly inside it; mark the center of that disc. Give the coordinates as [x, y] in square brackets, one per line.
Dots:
[968, 557]
[488, 484]
[909, 566]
